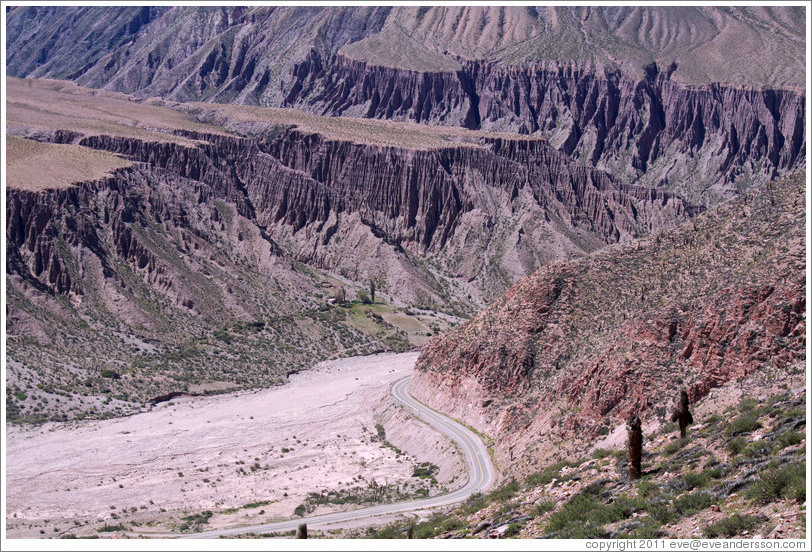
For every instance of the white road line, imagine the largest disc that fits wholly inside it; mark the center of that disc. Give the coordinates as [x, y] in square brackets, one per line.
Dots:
[480, 478]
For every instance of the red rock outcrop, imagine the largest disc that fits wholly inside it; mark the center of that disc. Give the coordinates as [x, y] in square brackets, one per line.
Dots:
[579, 346]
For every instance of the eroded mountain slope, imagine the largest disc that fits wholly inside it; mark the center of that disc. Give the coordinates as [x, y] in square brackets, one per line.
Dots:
[222, 248]
[574, 349]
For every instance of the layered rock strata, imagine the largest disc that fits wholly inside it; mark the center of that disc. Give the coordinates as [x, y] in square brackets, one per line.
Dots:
[579, 346]
[732, 137]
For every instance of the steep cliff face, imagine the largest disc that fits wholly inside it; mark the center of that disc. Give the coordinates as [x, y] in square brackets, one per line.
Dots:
[488, 215]
[653, 130]
[577, 347]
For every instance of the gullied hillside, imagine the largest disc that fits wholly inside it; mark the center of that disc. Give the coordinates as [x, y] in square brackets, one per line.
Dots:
[579, 346]
[657, 96]
[706, 142]
[205, 256]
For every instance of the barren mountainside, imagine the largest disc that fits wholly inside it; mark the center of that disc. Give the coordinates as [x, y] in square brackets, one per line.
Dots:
[237, 241]
[576, 348]
[665, 86]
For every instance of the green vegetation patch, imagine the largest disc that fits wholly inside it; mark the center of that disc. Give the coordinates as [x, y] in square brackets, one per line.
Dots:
[732, 526]
[777, 482]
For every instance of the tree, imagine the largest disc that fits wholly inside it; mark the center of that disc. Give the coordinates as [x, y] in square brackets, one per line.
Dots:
[339, 295]
[635, 432]
[372, 290]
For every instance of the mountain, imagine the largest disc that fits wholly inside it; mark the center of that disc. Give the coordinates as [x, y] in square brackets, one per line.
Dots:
[576, 348]
[624, 89]
[218, 235]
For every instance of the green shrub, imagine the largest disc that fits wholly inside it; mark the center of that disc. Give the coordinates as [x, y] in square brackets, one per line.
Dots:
[787, 481]
[713, 419]
[451, 524]
[745, 423]
[544, 506]
[300, 510]
[757, 448]
[649, 529]
[789, 438]
[513, 530]
[549, 473]
[111, 528]
[584, 515]
[731, 526]
[747, 404]
[697, 479]
[600, 454]
[473, 504]
[689, 504]
[647, 489]
[424, 470]
[505, 492]
[674, 446]
[736, 445]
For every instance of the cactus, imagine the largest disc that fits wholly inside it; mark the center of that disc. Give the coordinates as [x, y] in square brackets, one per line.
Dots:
[635, 447]
[301, 531]
[682, 414]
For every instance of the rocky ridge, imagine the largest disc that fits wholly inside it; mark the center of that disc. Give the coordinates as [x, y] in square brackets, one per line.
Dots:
[710, 301]
[240, 240]
[631, 107]
[734, 137]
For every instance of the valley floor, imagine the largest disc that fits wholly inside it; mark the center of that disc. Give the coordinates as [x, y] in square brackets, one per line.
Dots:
[251, 456]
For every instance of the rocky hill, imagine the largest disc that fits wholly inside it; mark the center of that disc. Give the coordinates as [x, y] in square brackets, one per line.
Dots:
[656, 96]
[225, 230]
[740, 473]
[576, 348]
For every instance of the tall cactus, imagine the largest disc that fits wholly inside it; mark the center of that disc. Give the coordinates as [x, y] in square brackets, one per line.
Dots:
[682, 414]
[301, 531]
[635, 447]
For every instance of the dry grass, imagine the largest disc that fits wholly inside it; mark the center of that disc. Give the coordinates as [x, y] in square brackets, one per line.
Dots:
[46, 104]
[362, 131]
[37, 166]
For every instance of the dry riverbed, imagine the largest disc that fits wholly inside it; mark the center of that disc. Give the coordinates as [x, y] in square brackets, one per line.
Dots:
[249, 457]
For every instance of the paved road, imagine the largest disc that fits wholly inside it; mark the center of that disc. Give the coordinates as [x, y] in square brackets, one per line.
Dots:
[480, 469]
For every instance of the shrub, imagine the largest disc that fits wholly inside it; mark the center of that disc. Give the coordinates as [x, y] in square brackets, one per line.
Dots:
[789, 438]
[300, 510]
[689, 504]
[544, 506]
[674, 446]
[647, 489]
[649, 528]
[698, 479]
[549, 473]
[747, 404]
[364, 297]
[745, 423]
[513, 530]
[736, 445]
[424, 470]
[757, 448]
[584, 515]
[731, 526]
[505, 492]
[111, 528]
[600, 454]
[787, 481]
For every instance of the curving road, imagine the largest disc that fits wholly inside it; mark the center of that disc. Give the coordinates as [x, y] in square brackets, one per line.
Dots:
[481, 477]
